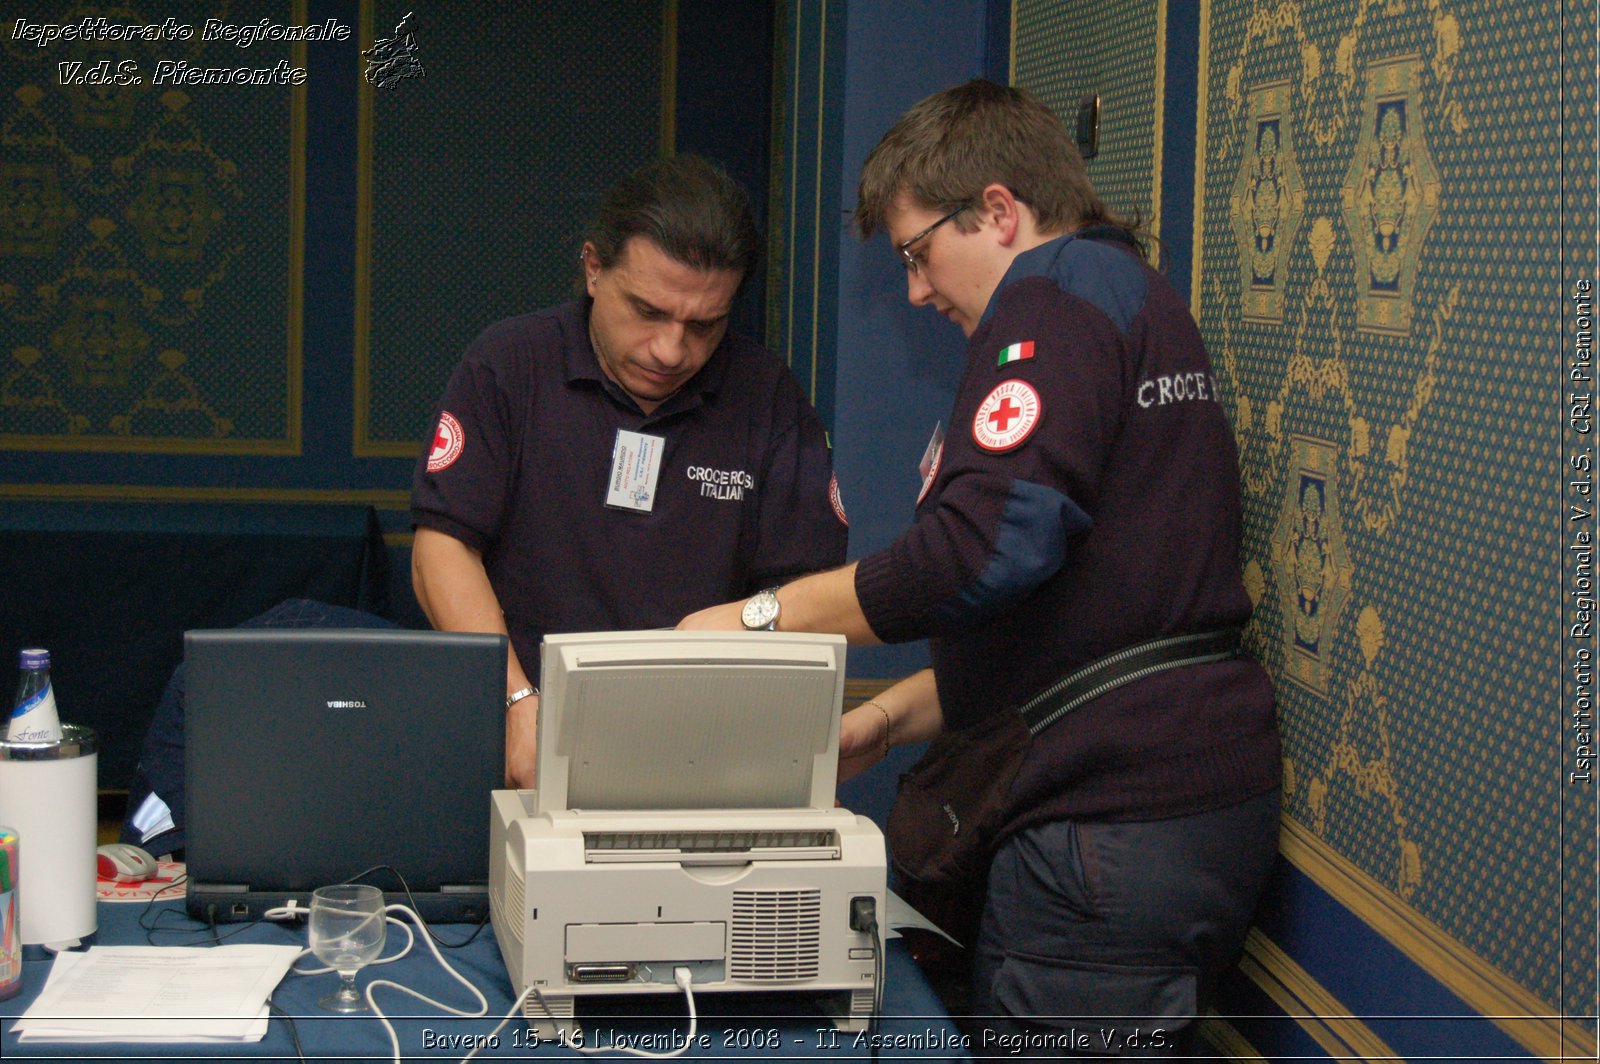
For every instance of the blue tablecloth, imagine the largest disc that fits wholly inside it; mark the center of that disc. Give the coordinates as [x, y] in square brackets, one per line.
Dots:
[746, 1026]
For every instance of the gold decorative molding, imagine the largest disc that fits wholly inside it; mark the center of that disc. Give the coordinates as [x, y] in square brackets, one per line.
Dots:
[1308, 1003]
[1157, 141]
[1530, 1022]
[1198, 207]
[669, 79]
[859, 691]
[379, 498]
[1225, 1038]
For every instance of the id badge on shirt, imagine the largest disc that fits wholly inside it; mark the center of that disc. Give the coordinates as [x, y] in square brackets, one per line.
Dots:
[635, 468]
[929, 466]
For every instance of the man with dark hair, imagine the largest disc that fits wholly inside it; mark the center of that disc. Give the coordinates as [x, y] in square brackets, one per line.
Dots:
[1081, 518]
[617, 461]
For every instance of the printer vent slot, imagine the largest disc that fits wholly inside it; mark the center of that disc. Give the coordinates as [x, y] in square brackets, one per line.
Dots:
[776, 935]
[516, 902]
[708, 841]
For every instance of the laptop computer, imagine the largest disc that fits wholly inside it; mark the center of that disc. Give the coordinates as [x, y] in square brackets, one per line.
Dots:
[315, 755]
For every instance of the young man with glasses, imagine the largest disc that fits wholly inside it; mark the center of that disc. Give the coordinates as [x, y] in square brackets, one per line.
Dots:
[1083, 512]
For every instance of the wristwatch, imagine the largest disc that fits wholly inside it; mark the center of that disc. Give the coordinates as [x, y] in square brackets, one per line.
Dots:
[760, 613]
[517, 696]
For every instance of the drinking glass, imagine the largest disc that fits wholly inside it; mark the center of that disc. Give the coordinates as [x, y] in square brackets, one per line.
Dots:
[347, 923]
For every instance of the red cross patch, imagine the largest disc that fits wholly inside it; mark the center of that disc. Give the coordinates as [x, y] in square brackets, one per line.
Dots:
[448, 440]
[1007, 417]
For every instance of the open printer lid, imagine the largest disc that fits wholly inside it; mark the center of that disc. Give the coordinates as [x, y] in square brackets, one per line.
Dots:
[674, 720]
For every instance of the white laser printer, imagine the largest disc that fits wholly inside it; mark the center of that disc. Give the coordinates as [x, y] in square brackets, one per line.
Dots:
[685, 818]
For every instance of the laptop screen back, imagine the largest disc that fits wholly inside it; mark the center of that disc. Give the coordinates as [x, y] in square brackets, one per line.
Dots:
[315, 754]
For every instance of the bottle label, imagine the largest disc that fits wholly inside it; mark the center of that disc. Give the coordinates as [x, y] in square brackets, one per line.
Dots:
[35, 719]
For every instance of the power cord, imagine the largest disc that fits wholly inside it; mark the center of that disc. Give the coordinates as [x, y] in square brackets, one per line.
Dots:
[406, 888]
[681, 976]
[864, 917]
[516, 1007]
[294, 1032]
[151, 919]
[291, 911]
[394, 1037]
[209, 927]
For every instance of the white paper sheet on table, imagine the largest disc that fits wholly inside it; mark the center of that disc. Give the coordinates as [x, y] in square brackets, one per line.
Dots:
[158, 994]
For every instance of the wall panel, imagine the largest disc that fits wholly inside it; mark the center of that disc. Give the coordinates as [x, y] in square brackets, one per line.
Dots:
[471, 212]
[151, 241]
[1064, 52]
[1377, 273]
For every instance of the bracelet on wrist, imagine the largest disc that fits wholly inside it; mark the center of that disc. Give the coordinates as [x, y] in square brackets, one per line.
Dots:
[517, 696]
[888, 725]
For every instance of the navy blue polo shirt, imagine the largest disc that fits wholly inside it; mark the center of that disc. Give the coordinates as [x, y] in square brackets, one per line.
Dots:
[520, 461]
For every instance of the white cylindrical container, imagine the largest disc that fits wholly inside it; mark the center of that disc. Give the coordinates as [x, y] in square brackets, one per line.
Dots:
[47, 795]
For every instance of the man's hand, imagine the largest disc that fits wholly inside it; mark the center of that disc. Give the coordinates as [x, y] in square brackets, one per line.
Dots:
[522, 743]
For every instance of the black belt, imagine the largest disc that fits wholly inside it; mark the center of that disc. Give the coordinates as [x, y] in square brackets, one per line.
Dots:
[1125, 666]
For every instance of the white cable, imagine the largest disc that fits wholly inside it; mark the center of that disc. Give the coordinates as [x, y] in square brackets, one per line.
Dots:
[516, 1007]
[394, 1038]
[280, 914]
[681, 976]
[685, 982]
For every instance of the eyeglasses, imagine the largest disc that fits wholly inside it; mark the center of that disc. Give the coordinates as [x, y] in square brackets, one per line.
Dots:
[904, 247]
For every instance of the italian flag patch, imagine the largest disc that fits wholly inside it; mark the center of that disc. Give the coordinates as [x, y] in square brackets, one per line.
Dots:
[1016, 353]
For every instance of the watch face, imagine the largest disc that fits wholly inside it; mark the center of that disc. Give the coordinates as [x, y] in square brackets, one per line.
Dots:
[760, 611]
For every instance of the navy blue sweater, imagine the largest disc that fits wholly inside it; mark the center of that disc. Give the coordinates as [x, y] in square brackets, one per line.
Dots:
[1086, 499]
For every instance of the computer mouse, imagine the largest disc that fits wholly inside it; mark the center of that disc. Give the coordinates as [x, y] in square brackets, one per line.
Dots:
[123, 862]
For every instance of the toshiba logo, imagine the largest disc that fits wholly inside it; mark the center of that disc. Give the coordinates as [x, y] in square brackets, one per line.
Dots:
[346, 704]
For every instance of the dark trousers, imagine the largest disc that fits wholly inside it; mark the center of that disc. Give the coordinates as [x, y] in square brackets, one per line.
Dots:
[1107, 940]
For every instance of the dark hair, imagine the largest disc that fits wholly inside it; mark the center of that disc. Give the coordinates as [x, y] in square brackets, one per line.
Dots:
[687, 207]
[946, 149]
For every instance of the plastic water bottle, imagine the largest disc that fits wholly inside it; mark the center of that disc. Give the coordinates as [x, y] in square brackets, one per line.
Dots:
[35, 720]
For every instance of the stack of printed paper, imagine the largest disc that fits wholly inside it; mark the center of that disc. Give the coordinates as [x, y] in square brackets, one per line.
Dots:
[158, 994]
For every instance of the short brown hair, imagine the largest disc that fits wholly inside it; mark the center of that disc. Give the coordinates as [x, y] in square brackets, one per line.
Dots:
[688, 207]
[945, 150]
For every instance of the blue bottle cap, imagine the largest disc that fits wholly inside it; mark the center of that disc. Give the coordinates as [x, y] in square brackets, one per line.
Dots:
[35, 658]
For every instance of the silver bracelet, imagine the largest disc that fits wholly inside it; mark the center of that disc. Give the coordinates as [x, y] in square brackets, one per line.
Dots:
[517, 696]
